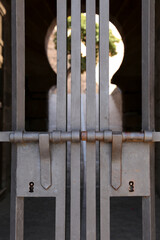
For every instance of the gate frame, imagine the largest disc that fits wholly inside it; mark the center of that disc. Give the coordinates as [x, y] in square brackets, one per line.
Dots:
[148, 119]
[18, 114]
[18, 111]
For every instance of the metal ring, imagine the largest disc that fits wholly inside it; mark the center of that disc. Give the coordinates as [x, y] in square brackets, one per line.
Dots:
[55, 136]
[107, 136]
[75, 136]
[91, 136]
[148, 136]
[16, 137]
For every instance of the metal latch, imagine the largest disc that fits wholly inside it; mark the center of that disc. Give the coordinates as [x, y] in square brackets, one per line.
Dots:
[116, 172]
[46, 173]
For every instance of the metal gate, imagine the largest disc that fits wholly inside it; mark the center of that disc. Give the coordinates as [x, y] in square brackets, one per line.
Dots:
[39, 159]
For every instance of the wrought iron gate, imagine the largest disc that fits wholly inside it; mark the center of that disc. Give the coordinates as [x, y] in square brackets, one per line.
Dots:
[39, 159]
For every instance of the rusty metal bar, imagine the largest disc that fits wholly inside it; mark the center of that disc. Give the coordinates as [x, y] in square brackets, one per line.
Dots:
[77, 136]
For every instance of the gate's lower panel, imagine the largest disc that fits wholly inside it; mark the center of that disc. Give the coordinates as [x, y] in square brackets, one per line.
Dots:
[135, 170]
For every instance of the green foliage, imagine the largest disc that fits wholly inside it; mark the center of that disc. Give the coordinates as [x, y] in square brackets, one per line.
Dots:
[112, 40]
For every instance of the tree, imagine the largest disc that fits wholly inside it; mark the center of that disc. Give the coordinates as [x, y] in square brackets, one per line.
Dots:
[112, 40]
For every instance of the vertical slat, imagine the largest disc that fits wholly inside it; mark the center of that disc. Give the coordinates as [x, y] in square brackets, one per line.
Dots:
[18, 65]
[91, 122]
[148, 38]
[105, 150]
[75, 117]
[60, 149]
[18, 110]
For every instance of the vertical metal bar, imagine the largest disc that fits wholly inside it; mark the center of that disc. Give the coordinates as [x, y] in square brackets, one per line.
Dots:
[61, 122]
[90, 122]
[75, 117]
[105, 149]
[18, 110]
[148, 38]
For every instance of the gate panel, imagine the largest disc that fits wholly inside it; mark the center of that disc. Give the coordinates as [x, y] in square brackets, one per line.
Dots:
[137, 158]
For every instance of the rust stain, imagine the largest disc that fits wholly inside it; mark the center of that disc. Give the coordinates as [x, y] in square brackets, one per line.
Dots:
[84, 136]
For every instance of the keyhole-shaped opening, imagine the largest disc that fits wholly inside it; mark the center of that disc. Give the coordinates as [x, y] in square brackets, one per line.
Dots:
[31, 187]
[131, 186]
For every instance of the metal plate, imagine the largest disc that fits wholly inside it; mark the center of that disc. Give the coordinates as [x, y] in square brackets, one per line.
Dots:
[28, 170]
[136, 168]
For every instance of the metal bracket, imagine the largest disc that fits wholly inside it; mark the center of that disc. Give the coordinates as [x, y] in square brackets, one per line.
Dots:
[46, 174]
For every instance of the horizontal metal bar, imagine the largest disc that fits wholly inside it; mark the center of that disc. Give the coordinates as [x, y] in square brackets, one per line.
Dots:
[5, 136]
[77, 136]
[156, 136]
